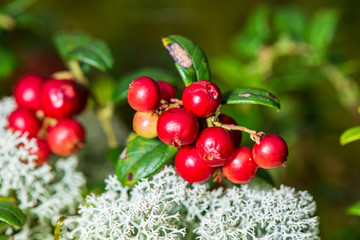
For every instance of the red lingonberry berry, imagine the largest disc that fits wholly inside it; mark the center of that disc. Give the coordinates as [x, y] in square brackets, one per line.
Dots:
[201, 98]
[143, 94]
[66, 137]
[24, 120]
[241, 167]
[190, 166]
[235, 135]
[167, 90]
[177, 127]
[27, 91]
[59, 98]
[83, 97]
[215, 146]
[271, 152]
[43, 152]
[144, 124]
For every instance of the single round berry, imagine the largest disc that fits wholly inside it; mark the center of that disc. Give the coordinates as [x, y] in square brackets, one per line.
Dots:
[167, 90]
[24, 120]
[27, 91]
[83, 94]
[271, 152]
[201, 98]
[144, 124]
[241, 167]
[43, 152]
[66, 137]
[235, 135]
[215, 146]
[177, 127]
[143, 94]
[190, 166]
[59, 98]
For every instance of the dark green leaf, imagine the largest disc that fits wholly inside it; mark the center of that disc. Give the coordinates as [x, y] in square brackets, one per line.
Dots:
[251, 95]
[82, 48]
[8, 63]
[113, 155]
[290, 21]
[122, 84]
[17, 6]
[190, 60]
[350, 135]
[354, 209]
[11, 214]
[143, 158]
[263, 174]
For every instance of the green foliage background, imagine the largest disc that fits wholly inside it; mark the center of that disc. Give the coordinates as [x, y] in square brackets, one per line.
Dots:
[313, 114]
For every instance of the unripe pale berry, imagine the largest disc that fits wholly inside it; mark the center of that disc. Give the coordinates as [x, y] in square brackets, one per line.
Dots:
[215, 146]
[201, 98]
[24, 120]
[144, 124]
[241, 167]
[190, 166]
[235, 135]
[143, 94]
[177, 127]
[66, 137]
[167, 90]
[271, 152]
[27, 91]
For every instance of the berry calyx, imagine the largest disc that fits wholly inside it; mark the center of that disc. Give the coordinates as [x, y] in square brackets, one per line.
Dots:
[143, 94]
[241, 167]
[144, 124]
[167, 90]
[27, 91]
[201, 98]
[271, 152]
[24, 120]
[66, 137]
[215, 146]
[177, 127]
[235, 134]
[190, 166]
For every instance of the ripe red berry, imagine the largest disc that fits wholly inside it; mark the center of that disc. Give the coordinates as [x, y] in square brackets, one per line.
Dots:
[43, 152]
[190, 166]
[167, 90]
[215, 146]
[143, 94]
[177, 127]
[235, 135]
[60, 98]
[24, 120]
[144, 124]
[201, 98]
[271, 152]
[241, 167]
[66, 137]
[83, 97]
[27, 91]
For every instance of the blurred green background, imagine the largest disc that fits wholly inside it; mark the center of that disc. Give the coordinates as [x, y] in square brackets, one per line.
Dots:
[307, 52]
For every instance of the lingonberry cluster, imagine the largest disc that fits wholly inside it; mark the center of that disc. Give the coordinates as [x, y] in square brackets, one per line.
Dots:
[44, 111]
[208, 141]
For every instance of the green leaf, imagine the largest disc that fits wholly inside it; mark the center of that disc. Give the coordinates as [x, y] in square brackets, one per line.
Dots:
[143, 158]
[251, 95]
[16, 7]
[113, 155]
[290, 21]
[4, 237]
[264, 174]
[8, 63]
[11, 214]
[122, 85]
[322, 29]
[354, 209]
[190, 60]
[83, 48]
[350, 135]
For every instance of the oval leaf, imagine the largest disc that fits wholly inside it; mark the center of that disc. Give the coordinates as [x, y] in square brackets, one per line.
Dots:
[11, 214]
[350, 135]
[190, 60]
[251, 95]
[82, 48]
[122, 84]
[143, 157]
[354, 209]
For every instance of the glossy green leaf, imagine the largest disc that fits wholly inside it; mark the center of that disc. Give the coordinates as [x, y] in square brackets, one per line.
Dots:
[122, 85]
[143, 158]
[190, 60]
[350, 135]
[354, 209]
[83, 48]
[11, 214]
[251, 95]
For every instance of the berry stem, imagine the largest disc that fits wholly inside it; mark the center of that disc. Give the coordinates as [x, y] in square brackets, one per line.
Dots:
[77, 71]
[105, 115]
[254, 135]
